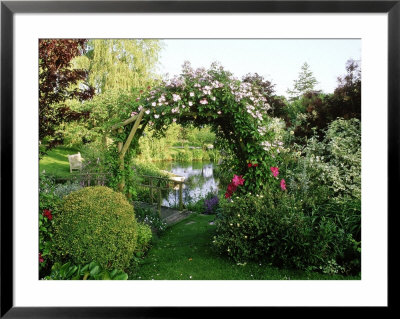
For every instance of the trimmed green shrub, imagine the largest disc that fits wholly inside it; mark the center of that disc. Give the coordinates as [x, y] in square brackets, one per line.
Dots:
[96, 224]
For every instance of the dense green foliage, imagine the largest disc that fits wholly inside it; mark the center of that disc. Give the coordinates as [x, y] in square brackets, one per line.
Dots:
[335, 162]
[144, 238]
[277, 228]
[48, 204]
[91, 271]
[96, 224]
[316, 222]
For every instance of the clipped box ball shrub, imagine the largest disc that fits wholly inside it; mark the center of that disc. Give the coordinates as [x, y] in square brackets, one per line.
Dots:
[96, 224]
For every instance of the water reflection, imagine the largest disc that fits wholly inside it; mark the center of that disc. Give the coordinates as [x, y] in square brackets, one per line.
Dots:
[199, 181]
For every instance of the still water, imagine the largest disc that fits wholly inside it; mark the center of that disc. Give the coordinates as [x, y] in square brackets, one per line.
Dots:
[199, 181]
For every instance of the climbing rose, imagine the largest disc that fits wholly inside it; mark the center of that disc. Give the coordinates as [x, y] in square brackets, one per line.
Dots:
[41, 258]
[47, 213]
[249, 165]
[283, 184]
[275, 171]
[237, 180]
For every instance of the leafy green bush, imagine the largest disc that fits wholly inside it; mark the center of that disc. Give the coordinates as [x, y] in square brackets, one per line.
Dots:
[144, 238]
[273, 227]
[91, 271]
[62, 190]
[96, 224]
[335, 162]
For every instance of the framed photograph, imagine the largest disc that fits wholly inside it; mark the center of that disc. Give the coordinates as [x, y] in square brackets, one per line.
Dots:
[301, 96]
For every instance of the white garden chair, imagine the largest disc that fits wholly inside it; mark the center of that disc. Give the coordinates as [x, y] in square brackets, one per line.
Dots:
[75, 162]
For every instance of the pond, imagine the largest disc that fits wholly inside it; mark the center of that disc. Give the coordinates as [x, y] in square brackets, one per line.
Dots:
[199, 181]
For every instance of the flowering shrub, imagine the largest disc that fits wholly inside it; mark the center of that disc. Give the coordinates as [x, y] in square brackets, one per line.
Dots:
[48, 203]
[236, 181]
[274, 228]
[335, 162]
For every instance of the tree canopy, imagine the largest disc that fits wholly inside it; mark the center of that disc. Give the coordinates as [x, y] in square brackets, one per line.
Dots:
[57, 83]
[120, 64]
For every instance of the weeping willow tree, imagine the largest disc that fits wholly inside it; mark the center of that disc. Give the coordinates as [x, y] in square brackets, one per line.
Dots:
[115, 68]
[120, 64]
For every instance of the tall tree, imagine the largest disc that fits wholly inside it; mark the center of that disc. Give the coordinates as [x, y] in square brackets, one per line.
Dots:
[306, 82]
[120, 64]
[58, 82]
[119, 70]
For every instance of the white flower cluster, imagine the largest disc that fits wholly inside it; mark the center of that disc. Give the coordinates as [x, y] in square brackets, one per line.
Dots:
[276, 146]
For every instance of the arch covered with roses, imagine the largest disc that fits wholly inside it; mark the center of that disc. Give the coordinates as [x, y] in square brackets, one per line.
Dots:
[237, 112]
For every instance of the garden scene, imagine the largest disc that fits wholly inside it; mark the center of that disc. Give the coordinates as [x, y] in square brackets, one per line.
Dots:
[198, 175]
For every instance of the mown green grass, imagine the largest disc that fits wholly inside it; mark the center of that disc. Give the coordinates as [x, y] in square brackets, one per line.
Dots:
[185, 252]
[56, 162]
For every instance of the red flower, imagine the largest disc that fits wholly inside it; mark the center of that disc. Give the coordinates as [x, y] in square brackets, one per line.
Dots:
[275, 171]
[149, 87]
[47, 213]
[283, 184]
[237, 180]
[250, 165]
[41, 258]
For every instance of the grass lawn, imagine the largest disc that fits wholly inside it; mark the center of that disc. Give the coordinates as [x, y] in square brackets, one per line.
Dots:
[56, 162]
[184, 252]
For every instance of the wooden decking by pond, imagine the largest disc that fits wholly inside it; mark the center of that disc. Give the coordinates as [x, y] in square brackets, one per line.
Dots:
[168, 215]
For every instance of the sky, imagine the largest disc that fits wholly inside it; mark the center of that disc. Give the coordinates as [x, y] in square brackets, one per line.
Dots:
[277, 60]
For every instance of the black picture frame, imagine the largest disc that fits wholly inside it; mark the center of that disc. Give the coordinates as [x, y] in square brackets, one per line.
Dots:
[9, 8]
